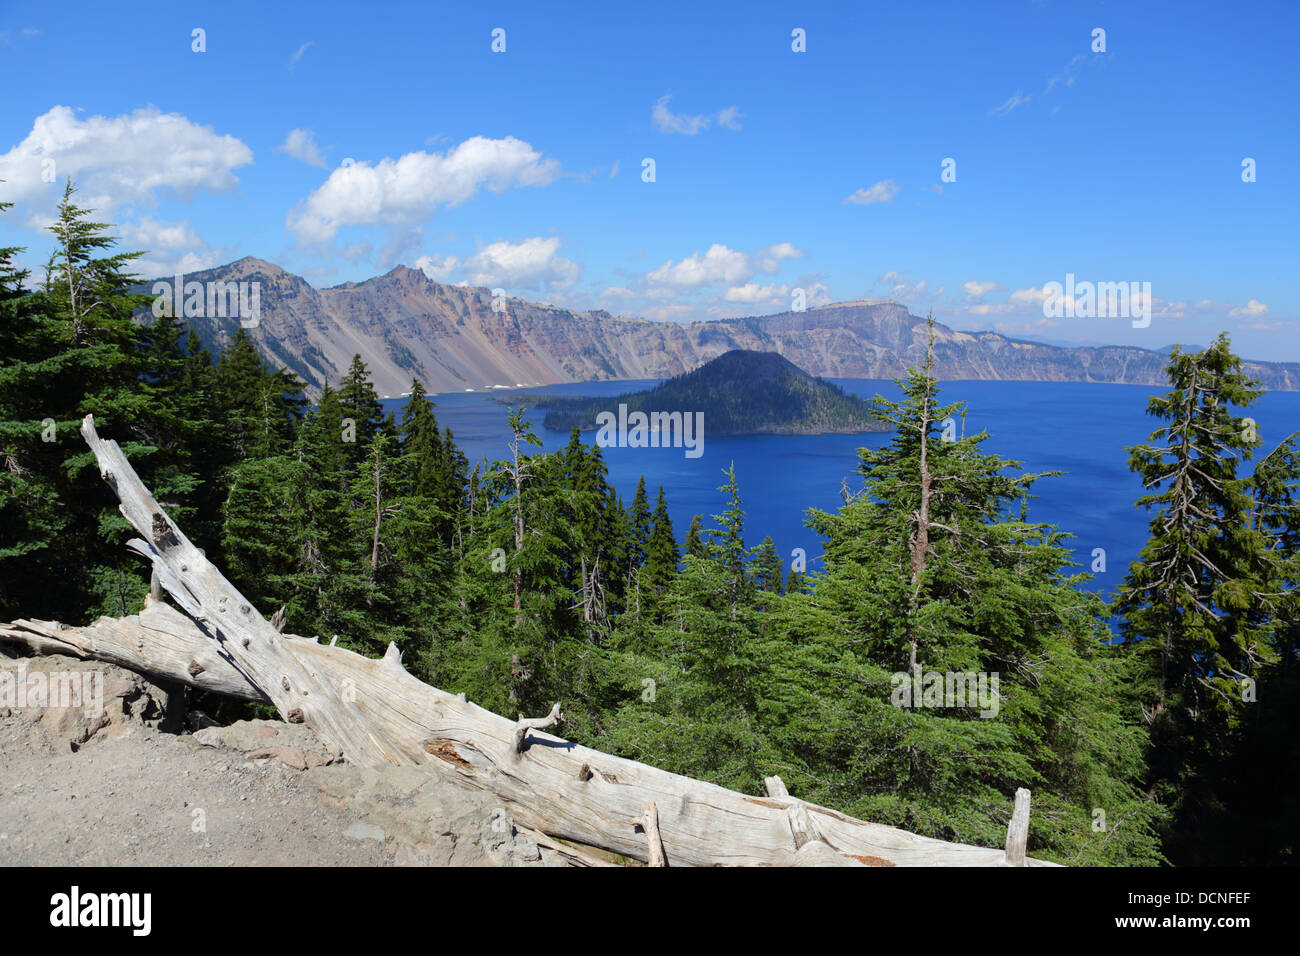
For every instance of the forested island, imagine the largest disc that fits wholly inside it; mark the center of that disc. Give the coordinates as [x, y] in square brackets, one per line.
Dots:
[528, 581]
[740, 392]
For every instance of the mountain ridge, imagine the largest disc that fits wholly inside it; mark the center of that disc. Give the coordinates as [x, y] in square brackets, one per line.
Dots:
[405, 325]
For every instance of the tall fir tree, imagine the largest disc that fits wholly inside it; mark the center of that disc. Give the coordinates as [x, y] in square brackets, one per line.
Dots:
[1195, 608]
[71, 350]
[662, 554]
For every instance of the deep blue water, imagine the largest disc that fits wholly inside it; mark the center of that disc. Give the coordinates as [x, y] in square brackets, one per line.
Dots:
[1078, 428]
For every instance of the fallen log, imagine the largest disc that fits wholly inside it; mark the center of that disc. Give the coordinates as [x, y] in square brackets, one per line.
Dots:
[376, 713]
[159, 641]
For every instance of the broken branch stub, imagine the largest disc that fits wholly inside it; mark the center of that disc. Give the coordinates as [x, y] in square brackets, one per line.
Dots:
[525, 724]
[649, 824]
[1018, 829]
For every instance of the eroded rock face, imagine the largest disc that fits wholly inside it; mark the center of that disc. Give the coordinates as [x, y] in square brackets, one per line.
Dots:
[64, 703]
[403, 324]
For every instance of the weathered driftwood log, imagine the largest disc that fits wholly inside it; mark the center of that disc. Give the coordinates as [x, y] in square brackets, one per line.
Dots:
[374, 712]
[1018, 829]
[159, 641]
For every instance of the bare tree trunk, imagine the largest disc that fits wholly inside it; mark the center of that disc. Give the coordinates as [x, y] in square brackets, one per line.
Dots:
[921, 539]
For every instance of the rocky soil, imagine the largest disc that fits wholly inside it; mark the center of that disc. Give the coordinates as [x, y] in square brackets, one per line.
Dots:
[132, 785]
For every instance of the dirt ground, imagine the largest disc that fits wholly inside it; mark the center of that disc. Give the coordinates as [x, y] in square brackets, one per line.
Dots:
[127, 783]
[150, 798]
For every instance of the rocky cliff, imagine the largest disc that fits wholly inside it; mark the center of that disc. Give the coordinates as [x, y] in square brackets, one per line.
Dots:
[404, 325]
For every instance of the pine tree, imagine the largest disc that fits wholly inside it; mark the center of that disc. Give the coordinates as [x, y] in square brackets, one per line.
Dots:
[70, 350]
[361, 406]
[423, 442]
[264, 406]
[767, 571]
[1259, 820]
[1195, 607]
[662, 555]
[705, 660]
[794, 584]
[694, 543]
[31, 517]
[935, 569]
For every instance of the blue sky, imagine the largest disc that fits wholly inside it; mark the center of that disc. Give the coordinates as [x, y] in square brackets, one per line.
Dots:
[774, 170]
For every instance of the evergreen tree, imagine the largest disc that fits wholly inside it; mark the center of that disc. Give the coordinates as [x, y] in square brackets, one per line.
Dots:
[662, 555]
[361, 406]
[264, 406]
[1259, 820]
[1195, 607]
[794, 584]
[70, 350]
[767, 571]
[705, 659]
[694, 543]
[935, 569]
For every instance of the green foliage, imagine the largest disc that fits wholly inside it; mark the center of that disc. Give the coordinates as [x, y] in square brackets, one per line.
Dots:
[1207, 610]
[526, 580]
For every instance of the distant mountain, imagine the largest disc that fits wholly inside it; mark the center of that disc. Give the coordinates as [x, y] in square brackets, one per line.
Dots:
[740, 393]
[404, 325]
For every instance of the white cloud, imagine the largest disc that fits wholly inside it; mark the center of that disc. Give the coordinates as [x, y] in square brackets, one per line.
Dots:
[719, 266]
[715, 283]
[730, 118]
[752, 293]
[438, 268]
[1011, 102]
[901, 289]
[769, 259]
[687, 124]
[666, 121]
[301, 145]
[413, 186]
[977, 290]
[815, 293]
[168, 263]
[530, 264]
[116, 160]
[357, 251]
[1030, 297]
[883, 191]
[293, 60]
[1068, 74]
[669, 313]
[153, 235]
[1252, 309]
[169, 247]
[987, 308]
